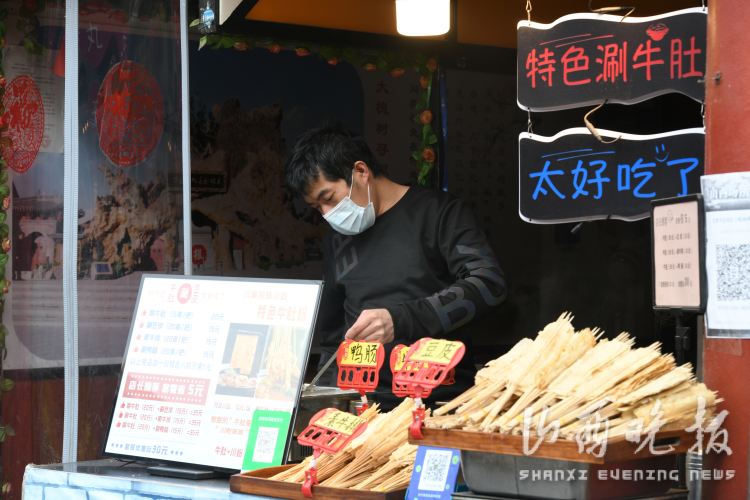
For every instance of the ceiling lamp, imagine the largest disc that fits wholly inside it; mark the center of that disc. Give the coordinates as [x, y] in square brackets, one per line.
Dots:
[423, 17]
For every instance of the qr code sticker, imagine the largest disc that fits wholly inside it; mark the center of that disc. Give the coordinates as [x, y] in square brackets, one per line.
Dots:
[733, 265]
[435, 470]
[265, 445]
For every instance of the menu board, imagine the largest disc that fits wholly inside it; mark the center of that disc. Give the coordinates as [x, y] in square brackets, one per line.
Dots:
[208, 360]
[677, 239]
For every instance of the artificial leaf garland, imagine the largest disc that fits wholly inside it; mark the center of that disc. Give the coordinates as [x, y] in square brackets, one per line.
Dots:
[6, 384]
[393, 63]
[28, 24]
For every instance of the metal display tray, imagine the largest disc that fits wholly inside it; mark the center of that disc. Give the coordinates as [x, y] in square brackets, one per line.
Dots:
[531, 477]
[496, 464]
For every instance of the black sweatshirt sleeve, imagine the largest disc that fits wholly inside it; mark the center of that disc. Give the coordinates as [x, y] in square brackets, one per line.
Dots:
[479, 282]
[330, 324]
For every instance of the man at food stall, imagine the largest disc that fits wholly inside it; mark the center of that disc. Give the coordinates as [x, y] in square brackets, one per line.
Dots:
[403, 262]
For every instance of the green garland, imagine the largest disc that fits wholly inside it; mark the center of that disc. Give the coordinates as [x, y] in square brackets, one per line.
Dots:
[28, 24]
[394, 63]
[6, 384]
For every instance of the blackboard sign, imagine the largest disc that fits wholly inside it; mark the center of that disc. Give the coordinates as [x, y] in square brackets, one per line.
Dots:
[573, 176]
[583, 59]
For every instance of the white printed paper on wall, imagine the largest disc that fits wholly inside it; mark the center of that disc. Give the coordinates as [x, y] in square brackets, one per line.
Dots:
[727, 202]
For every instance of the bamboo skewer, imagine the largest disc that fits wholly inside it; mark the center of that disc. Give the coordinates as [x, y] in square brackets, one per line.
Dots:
[591, 389]
[379, 459]
[586, 385]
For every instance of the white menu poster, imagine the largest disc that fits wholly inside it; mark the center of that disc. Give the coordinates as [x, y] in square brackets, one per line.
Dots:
[727, 202]
[204, 357]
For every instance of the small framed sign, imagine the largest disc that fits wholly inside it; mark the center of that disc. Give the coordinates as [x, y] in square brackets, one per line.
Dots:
[434, 474]
[678, 253]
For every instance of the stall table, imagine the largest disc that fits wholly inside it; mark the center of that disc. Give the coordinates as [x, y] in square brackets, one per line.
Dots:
[111, 479]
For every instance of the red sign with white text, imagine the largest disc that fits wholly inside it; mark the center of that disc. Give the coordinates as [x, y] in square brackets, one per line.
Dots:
[165, 388]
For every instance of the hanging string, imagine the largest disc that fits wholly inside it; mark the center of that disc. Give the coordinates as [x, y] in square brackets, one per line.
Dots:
[593, 129]
[529, 128]
[607, 10]
[528, 11]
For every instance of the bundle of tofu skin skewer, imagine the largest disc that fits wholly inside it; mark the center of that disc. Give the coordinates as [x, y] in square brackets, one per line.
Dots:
[563, 377]
[575, 378]
[380, 459]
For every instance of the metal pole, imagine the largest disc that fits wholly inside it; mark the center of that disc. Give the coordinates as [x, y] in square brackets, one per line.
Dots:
[70, 235]
[187, 237]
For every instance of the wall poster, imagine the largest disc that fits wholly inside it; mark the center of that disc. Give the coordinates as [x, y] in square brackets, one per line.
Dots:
[727, 202]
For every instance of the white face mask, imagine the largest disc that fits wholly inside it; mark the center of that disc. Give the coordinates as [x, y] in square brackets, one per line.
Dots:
[349, 218]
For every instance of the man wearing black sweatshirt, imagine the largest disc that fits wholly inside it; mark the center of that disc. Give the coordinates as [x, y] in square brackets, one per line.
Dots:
[402, 263]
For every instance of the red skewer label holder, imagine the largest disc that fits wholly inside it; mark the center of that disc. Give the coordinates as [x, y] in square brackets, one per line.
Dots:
[398, 356]
[329, 431]
[427, 365]
[359, 367]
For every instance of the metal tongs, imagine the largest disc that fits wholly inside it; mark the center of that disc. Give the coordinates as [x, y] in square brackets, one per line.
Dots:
[311, 385]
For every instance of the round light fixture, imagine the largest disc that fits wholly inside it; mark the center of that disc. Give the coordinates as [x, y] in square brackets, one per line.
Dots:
[423, 17]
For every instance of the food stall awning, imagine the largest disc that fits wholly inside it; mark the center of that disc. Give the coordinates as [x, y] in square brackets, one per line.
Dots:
[226, 7]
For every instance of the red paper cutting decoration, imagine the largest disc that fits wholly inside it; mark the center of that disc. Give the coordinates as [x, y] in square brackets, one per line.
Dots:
[129, 113]
[25, 118]
[199, 254]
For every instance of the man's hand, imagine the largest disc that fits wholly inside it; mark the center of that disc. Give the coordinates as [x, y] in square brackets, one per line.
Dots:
[373, 325]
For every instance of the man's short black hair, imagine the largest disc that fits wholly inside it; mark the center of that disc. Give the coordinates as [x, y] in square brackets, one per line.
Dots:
[331, 151]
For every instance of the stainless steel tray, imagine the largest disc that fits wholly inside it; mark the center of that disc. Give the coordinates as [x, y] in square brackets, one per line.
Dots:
[514, 476]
